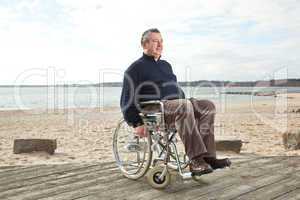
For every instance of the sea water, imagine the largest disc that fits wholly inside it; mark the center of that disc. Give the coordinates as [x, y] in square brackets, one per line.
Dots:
[59, 97]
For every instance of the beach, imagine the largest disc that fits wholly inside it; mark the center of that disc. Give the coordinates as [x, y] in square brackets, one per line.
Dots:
[85, 134]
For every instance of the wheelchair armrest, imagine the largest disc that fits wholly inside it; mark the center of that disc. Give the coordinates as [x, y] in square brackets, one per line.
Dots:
[143, 103]
[153, 103]
[157, 114]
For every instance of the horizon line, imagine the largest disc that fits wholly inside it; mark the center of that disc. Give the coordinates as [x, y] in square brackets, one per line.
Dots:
[117, 83]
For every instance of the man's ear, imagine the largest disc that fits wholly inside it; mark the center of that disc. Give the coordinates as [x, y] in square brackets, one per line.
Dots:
[143, 45]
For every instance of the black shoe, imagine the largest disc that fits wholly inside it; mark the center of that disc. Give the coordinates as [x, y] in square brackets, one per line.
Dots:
[199, 167]
[217, 163]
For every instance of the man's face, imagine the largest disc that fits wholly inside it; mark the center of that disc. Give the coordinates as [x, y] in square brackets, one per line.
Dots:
[154, 45]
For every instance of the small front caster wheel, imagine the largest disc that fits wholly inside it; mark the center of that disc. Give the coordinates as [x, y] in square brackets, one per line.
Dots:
[154, 180]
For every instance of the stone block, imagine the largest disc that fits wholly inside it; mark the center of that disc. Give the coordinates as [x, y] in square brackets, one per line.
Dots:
[229, 145]
[291, 140]
[31, 145]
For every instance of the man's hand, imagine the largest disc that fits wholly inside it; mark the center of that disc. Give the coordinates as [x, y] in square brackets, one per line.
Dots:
[140, 131]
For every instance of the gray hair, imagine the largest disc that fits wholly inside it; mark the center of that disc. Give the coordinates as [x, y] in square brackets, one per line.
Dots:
[145, 35]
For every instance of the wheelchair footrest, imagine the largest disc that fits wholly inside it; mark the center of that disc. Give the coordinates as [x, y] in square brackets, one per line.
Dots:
[186, 175]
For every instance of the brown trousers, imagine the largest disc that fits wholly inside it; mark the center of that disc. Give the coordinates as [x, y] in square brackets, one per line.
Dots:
[194, 121]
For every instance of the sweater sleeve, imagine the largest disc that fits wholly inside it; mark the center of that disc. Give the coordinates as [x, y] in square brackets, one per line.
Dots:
[127, 101]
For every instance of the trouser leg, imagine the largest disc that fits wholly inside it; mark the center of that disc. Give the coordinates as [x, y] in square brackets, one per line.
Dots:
[204, 112]
[180, 113]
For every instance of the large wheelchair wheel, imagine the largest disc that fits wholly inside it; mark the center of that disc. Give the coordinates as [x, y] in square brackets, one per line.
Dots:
[133, 154]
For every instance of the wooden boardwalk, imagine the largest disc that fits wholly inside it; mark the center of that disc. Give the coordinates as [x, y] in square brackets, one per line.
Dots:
[248, 178]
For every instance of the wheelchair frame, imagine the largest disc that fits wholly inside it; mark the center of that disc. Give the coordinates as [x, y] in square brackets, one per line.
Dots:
[159, 140]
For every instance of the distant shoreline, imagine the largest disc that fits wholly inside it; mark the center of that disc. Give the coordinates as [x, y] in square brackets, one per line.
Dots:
[201, 83]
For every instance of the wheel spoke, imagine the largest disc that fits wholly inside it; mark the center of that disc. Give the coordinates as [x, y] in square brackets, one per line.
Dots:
[132, 154]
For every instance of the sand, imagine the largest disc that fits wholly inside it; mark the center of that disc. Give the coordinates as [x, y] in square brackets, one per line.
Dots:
[85, 134]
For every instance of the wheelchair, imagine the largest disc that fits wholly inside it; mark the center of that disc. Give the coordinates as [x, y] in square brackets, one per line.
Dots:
[159, 153]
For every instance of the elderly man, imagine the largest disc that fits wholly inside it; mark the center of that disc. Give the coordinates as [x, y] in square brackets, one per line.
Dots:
[151, 78]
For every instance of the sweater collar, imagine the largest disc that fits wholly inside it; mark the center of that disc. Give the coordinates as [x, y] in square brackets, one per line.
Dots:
[145, 56]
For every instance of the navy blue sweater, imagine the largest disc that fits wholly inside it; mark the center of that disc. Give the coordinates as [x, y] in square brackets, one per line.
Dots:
[147, 79]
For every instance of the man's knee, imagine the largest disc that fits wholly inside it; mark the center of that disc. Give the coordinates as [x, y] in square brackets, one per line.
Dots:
[211, 106]
[187, 106]
[204, 106]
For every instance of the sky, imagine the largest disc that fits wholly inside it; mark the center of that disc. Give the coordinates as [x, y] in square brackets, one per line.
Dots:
[91, 41]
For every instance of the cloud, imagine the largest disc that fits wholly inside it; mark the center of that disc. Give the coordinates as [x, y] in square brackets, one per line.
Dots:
[220, 40]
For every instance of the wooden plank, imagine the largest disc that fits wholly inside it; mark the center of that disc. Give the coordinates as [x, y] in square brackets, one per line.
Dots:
[44, 177]
[129, 190]
[11, 169]
[288, 183]
[290, 195]
[144, 191]
[246, 186]
[30, 170]
[54, 183]
[248, 177]
[45, 170]
[219, 180]
[8, 168]
[12, 173]
[114, 190]
[124, 189]
[90, 197]
[14, 170]
[61, 173]
[236, 189]
[36, 172]
[73, 183]
[97, 185]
